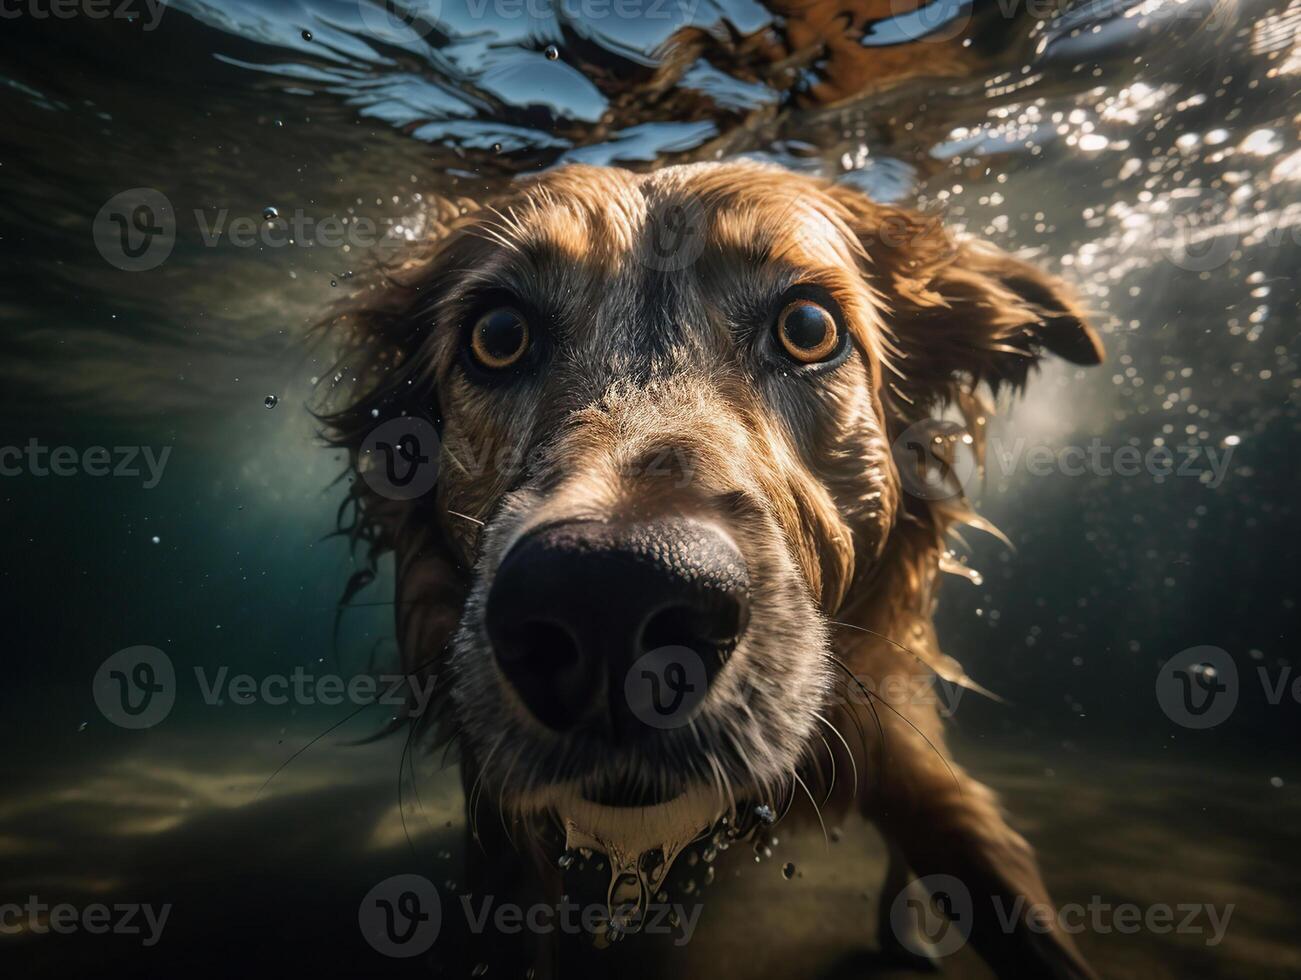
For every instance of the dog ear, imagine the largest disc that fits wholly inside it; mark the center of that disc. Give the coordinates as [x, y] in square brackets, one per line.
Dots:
[961, 314]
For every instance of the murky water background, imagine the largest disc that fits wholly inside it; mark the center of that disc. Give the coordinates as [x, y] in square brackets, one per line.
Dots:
[1147, 151]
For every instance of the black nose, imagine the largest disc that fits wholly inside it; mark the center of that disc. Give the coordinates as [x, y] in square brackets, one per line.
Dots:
[575, 606]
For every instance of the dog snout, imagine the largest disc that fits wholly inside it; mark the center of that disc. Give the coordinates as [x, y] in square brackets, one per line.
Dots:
[574, 606]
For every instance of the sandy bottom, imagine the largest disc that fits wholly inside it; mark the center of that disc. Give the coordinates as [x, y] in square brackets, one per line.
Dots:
[263, 881]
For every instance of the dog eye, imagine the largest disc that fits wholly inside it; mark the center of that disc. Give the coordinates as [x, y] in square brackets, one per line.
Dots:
[499, 338]
[807, 331]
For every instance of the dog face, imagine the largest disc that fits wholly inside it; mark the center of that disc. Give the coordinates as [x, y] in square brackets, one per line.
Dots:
[666, 405]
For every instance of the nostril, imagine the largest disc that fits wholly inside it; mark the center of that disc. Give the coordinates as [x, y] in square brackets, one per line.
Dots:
[546, 646]
[711, 627]
[544, 663]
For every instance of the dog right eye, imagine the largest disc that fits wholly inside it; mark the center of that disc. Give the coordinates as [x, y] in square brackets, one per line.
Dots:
[499, 339]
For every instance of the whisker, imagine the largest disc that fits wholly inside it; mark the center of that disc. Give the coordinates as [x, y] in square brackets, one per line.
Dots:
[963, 681]
[853, 766]
[338, 724]
[905, 720]
[472, 520]
[816, 809]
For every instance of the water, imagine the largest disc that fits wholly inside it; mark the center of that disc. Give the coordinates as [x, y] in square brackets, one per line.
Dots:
[1146, 151]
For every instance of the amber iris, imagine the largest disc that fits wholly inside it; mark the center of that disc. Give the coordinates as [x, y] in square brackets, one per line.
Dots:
[500, 338]
[807, 332]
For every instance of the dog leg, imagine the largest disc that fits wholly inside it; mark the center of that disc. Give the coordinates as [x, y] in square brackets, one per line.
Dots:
[912, 950]
[944, 823]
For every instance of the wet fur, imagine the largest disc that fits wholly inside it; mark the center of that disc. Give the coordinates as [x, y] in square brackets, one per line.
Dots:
[656, 398]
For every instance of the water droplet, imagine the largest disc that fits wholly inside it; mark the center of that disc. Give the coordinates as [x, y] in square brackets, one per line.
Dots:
[566, 861]
[334, 282]
[788, 870]
[307, 35]
[270, 213]
[552, 52]
[764, 812]
[1275, 781]
[82, 728]
[270, 401]
[479, 970]
[155, 539]
[496, 147]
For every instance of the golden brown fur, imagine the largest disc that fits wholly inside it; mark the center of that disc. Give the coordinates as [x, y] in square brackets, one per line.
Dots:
[654, 401]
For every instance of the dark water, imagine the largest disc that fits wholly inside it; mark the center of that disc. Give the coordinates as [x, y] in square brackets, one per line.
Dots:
[1148, 152]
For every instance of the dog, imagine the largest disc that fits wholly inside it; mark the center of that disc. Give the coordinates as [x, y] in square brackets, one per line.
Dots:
[665, 408]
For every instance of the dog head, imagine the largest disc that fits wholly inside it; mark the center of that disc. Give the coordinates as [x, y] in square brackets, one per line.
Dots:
[664, 407]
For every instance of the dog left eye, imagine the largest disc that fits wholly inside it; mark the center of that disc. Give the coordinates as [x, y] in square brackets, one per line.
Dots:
[499, 338]
[807, 332]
